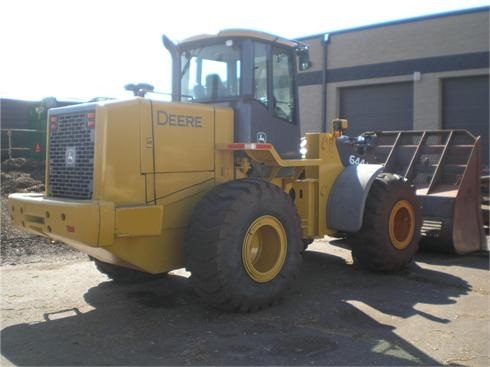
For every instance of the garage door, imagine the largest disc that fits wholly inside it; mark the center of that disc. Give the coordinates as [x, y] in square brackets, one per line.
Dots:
[377, 107]
[465, 106]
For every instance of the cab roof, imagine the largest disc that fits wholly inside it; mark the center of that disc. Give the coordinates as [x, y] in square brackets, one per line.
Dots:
[245, 33]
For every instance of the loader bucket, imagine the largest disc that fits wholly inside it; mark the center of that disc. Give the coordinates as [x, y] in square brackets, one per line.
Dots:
[444, 166]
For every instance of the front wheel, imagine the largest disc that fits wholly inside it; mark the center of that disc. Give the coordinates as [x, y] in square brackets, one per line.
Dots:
[243, 246]
[390, 233]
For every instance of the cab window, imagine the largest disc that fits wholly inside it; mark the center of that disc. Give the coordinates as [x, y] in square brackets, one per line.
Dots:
[282, 84]
[273, 80]
[211, 72]
[260, 73]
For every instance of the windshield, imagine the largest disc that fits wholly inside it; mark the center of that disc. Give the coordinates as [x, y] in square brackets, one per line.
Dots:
[211, 72]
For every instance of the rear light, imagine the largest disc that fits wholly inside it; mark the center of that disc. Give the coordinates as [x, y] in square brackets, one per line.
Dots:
[53, 123]
[91, 120]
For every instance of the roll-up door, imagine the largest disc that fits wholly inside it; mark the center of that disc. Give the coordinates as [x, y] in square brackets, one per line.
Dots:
[465, 106]
[377, 107]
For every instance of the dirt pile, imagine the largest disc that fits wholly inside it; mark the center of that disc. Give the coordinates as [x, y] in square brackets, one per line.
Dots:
[18, 246]
[22, 175]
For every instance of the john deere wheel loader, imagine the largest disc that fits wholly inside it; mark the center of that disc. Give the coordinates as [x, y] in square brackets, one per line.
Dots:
[214, 180]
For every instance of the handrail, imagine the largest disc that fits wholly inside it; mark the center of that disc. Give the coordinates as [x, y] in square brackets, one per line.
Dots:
[10, 148]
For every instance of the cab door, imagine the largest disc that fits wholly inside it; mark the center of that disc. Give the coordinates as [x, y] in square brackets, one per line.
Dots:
[272, 110]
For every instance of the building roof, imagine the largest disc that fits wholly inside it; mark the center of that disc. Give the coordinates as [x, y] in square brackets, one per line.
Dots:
[399, 21]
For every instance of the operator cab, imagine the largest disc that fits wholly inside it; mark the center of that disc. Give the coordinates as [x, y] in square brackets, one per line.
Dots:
[252, 72]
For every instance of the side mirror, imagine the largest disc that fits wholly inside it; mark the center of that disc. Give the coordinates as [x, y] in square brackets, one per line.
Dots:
[304, 60]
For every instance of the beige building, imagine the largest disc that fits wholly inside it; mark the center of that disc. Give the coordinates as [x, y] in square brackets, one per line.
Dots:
[424, 73]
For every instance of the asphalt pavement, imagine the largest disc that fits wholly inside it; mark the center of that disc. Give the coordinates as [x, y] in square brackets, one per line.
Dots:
[435, 312]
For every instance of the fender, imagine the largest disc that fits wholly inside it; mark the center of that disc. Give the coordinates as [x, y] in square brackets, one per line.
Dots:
[345, 206]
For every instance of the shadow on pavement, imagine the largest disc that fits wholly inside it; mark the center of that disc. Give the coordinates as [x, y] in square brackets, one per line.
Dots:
[466, 261]
[163, 323]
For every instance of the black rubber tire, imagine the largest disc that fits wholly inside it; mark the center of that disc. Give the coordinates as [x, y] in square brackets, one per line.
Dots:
[120, 274]
[221, 226]
[373, 247]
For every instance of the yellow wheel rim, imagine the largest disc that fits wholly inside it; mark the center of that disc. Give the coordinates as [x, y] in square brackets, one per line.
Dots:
[264, 249]
[401, 224]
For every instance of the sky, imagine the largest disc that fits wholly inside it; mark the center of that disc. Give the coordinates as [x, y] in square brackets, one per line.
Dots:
[76, 50]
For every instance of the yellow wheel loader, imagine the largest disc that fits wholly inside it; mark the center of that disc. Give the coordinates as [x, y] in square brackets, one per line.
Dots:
[218, 180]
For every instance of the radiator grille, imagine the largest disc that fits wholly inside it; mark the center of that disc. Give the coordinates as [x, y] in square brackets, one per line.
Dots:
[71, 156]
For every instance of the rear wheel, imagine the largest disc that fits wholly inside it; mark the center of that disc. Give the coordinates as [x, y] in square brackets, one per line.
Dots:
[243, 246]
[390, 232]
